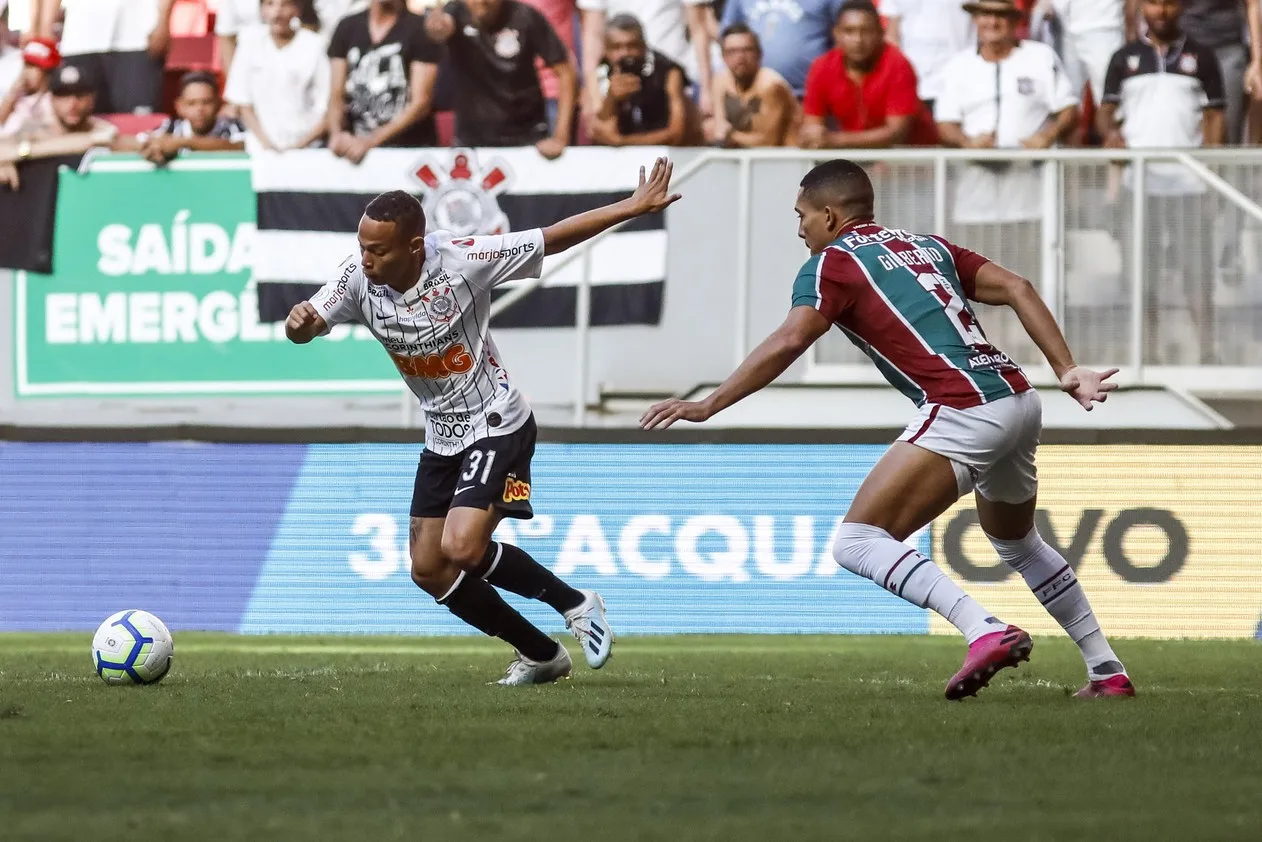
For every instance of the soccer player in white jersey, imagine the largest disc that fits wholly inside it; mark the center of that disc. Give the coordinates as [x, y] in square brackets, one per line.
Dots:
[903, 298]
[427, 299]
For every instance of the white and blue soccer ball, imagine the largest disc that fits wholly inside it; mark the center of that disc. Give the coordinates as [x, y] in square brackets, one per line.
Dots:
[132, 647]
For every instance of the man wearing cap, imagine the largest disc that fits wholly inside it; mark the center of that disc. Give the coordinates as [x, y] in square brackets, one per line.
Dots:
[1005, 94]
[26, 106]
[73, 130]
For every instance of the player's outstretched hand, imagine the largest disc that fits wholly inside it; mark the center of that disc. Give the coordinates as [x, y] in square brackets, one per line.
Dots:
[653, 195]
[661, 415]
[1088, 386]
[302, 315]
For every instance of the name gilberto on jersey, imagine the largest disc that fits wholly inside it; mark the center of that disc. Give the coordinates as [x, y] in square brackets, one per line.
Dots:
[914, 257]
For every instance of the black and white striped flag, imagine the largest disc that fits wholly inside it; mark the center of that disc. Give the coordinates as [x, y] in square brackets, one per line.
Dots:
[310, 203]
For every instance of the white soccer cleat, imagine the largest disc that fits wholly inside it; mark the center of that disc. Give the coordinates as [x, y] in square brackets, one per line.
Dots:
[524, 671]
[591, 628]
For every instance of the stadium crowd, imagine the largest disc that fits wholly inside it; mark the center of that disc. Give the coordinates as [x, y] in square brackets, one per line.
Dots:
[820, 74]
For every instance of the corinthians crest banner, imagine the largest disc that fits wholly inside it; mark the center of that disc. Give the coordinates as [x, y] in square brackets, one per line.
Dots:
[310, 203]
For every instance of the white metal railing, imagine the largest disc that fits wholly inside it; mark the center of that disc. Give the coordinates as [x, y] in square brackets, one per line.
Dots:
[1051, 224]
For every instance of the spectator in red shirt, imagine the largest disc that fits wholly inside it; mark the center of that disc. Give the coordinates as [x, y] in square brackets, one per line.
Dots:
[866, 86]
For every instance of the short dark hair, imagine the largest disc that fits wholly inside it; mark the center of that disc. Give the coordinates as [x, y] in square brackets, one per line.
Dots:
[740, 29]
[308, 15]
[199, 77]
[841, 184]
[866, 7]
[402, 209]
[626, 23]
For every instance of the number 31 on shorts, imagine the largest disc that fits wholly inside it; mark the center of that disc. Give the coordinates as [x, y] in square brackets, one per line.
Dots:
[479, 459]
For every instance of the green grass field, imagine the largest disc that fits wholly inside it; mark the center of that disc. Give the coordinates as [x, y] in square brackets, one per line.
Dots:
[732, 738]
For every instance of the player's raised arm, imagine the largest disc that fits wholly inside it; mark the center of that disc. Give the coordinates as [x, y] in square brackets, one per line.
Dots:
[993, 284]
[333, 304]
[652, 196]
[764, 364]
[304, 324]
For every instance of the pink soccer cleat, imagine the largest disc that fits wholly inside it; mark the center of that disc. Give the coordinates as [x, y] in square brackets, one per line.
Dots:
[1116, 686]
[986, 656]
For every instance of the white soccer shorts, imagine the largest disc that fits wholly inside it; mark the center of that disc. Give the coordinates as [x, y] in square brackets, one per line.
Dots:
[990, 446]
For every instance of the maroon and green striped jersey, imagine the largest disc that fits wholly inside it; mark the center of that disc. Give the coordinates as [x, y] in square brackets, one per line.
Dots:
[903, 299]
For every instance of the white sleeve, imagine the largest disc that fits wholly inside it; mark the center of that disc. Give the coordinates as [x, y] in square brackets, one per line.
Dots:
[491, 261]
[237, 89]
[593, 5]
[892, 8]
[227, 22]
[338, 301]
[947, 107]
[1062, 91]
[321, 81]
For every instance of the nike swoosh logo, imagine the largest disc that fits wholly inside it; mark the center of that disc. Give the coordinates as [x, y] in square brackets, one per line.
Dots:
[462, 489]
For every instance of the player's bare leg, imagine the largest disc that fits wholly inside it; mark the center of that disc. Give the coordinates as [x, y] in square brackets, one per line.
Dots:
[480, 605]
[467, 541]
[1010, 528]
[906, 490]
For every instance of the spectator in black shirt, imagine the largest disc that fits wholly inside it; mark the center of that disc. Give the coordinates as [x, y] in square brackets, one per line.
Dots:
[643, 101]
[382, 89]
[493, 45]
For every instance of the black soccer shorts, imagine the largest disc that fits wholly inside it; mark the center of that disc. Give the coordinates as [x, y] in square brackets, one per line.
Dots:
[493, 471]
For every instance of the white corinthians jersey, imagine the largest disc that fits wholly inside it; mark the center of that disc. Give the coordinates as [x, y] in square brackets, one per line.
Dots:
[438, 332]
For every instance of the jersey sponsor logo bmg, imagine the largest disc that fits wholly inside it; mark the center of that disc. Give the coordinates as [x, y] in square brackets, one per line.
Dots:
[454, 360]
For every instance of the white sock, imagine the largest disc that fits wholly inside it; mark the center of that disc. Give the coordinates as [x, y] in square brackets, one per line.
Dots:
[1056, 586]
[872, 553]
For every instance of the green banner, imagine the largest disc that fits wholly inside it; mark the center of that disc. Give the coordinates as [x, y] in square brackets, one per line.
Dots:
[151, 295]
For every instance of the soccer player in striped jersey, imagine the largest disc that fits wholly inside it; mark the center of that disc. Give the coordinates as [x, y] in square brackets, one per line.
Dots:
[903, 299]
[427, 300]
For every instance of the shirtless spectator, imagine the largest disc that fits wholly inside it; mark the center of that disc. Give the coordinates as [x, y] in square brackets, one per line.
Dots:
[26, 106]
[754, 105]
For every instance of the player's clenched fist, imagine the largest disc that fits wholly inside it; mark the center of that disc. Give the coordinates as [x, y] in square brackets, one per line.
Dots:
[303, 323]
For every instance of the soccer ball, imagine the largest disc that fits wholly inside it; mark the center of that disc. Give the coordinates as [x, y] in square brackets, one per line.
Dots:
[132, 647]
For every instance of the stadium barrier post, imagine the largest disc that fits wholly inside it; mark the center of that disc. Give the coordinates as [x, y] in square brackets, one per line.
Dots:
[1049, 283]
[743, 189]
[940, 193]
[1138, 237]
[582, 338]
